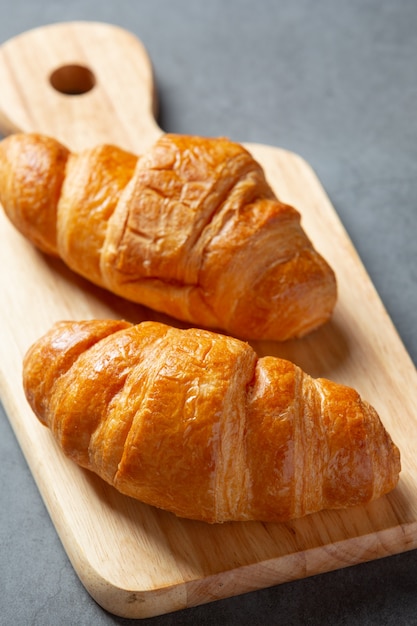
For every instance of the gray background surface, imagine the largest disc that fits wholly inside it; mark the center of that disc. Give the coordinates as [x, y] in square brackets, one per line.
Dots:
[336, 82]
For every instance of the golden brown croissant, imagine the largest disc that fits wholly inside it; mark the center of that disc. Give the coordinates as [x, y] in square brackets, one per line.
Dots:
[193, 422]
[191, 229]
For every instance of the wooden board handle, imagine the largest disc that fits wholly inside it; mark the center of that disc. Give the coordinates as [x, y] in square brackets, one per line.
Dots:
[84, 83]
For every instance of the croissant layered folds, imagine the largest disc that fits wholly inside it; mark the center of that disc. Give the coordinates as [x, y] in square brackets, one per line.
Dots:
[195, 423]
[191, 228]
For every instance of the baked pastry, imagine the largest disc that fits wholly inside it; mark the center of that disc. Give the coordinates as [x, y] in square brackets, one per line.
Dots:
[190, 228]
[195, 423]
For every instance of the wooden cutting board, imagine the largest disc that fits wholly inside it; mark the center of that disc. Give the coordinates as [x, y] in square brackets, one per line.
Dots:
[87, 83]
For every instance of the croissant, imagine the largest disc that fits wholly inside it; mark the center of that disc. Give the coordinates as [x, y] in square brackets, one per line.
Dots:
[191, 229]
[193, 422]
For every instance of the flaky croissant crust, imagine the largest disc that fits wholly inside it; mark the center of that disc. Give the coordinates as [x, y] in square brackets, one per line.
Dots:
[195, 423]
[191, 228]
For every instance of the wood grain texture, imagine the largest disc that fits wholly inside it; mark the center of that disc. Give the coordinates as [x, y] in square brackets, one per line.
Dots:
[134, 560]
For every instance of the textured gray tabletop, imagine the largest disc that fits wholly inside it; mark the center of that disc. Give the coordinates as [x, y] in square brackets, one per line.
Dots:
[336, 82]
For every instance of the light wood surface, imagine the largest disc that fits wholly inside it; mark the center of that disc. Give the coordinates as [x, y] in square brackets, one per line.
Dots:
[134, 560]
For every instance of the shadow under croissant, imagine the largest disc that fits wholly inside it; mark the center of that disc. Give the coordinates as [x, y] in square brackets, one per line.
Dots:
[104, 302]
[207, 549]
[320, 352]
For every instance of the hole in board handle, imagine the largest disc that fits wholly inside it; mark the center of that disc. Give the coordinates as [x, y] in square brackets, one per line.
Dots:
[72, 80]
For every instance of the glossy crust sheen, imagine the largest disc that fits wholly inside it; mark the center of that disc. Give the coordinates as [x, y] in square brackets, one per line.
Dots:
[191, 229]
[193, 422]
